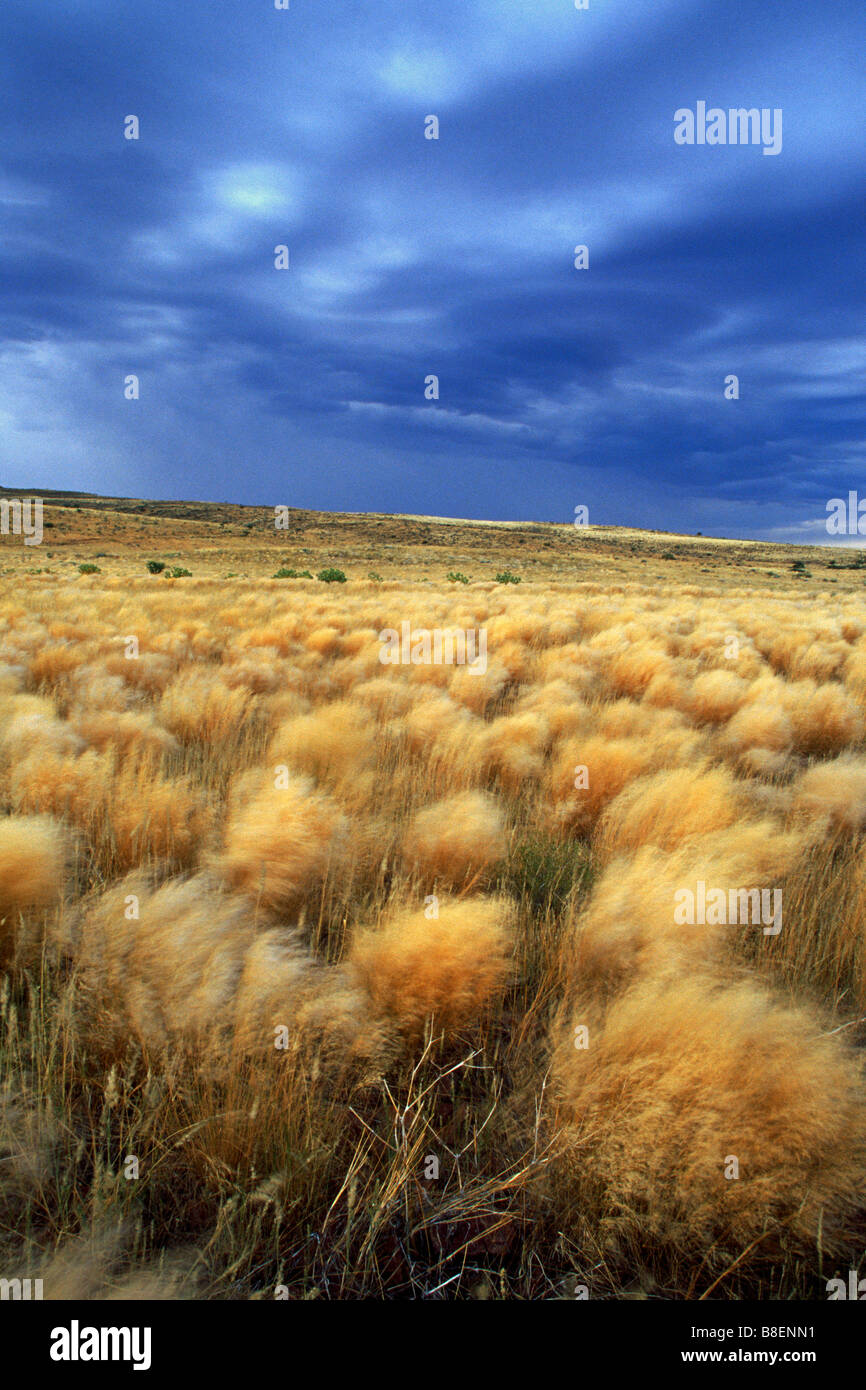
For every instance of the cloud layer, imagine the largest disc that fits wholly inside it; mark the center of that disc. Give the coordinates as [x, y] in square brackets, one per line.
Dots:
[411, 257]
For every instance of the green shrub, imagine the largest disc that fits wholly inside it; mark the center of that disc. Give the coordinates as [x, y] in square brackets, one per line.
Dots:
[331, 576]
[547, 871]
[178, 572]
[89, 569]
[156, 566]
[455, 577]
[284, 573]
[506, 577]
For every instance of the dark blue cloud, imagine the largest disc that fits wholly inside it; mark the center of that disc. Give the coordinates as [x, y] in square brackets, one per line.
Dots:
[454, 257]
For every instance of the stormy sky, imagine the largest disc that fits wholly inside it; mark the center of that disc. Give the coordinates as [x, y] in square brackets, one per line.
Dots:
[412, 257]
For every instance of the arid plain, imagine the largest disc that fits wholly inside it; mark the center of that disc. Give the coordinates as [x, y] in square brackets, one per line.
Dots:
[330, 977]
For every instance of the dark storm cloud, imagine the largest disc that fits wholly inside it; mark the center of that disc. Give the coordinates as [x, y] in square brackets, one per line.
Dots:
[453, 257]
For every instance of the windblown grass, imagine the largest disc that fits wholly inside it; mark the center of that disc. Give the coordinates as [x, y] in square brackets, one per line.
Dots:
[297, 947]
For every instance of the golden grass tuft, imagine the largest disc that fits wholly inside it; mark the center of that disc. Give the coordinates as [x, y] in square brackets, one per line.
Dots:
[332, 744]
[717, 695]
[834, 793]
[33, 855]
[282, 840]
[198, 704]
[455, 840]
[679, 1078]
[669, 808]
[449, 967]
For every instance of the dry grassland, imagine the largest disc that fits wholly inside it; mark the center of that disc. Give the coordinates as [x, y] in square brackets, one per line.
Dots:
[342, 978]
